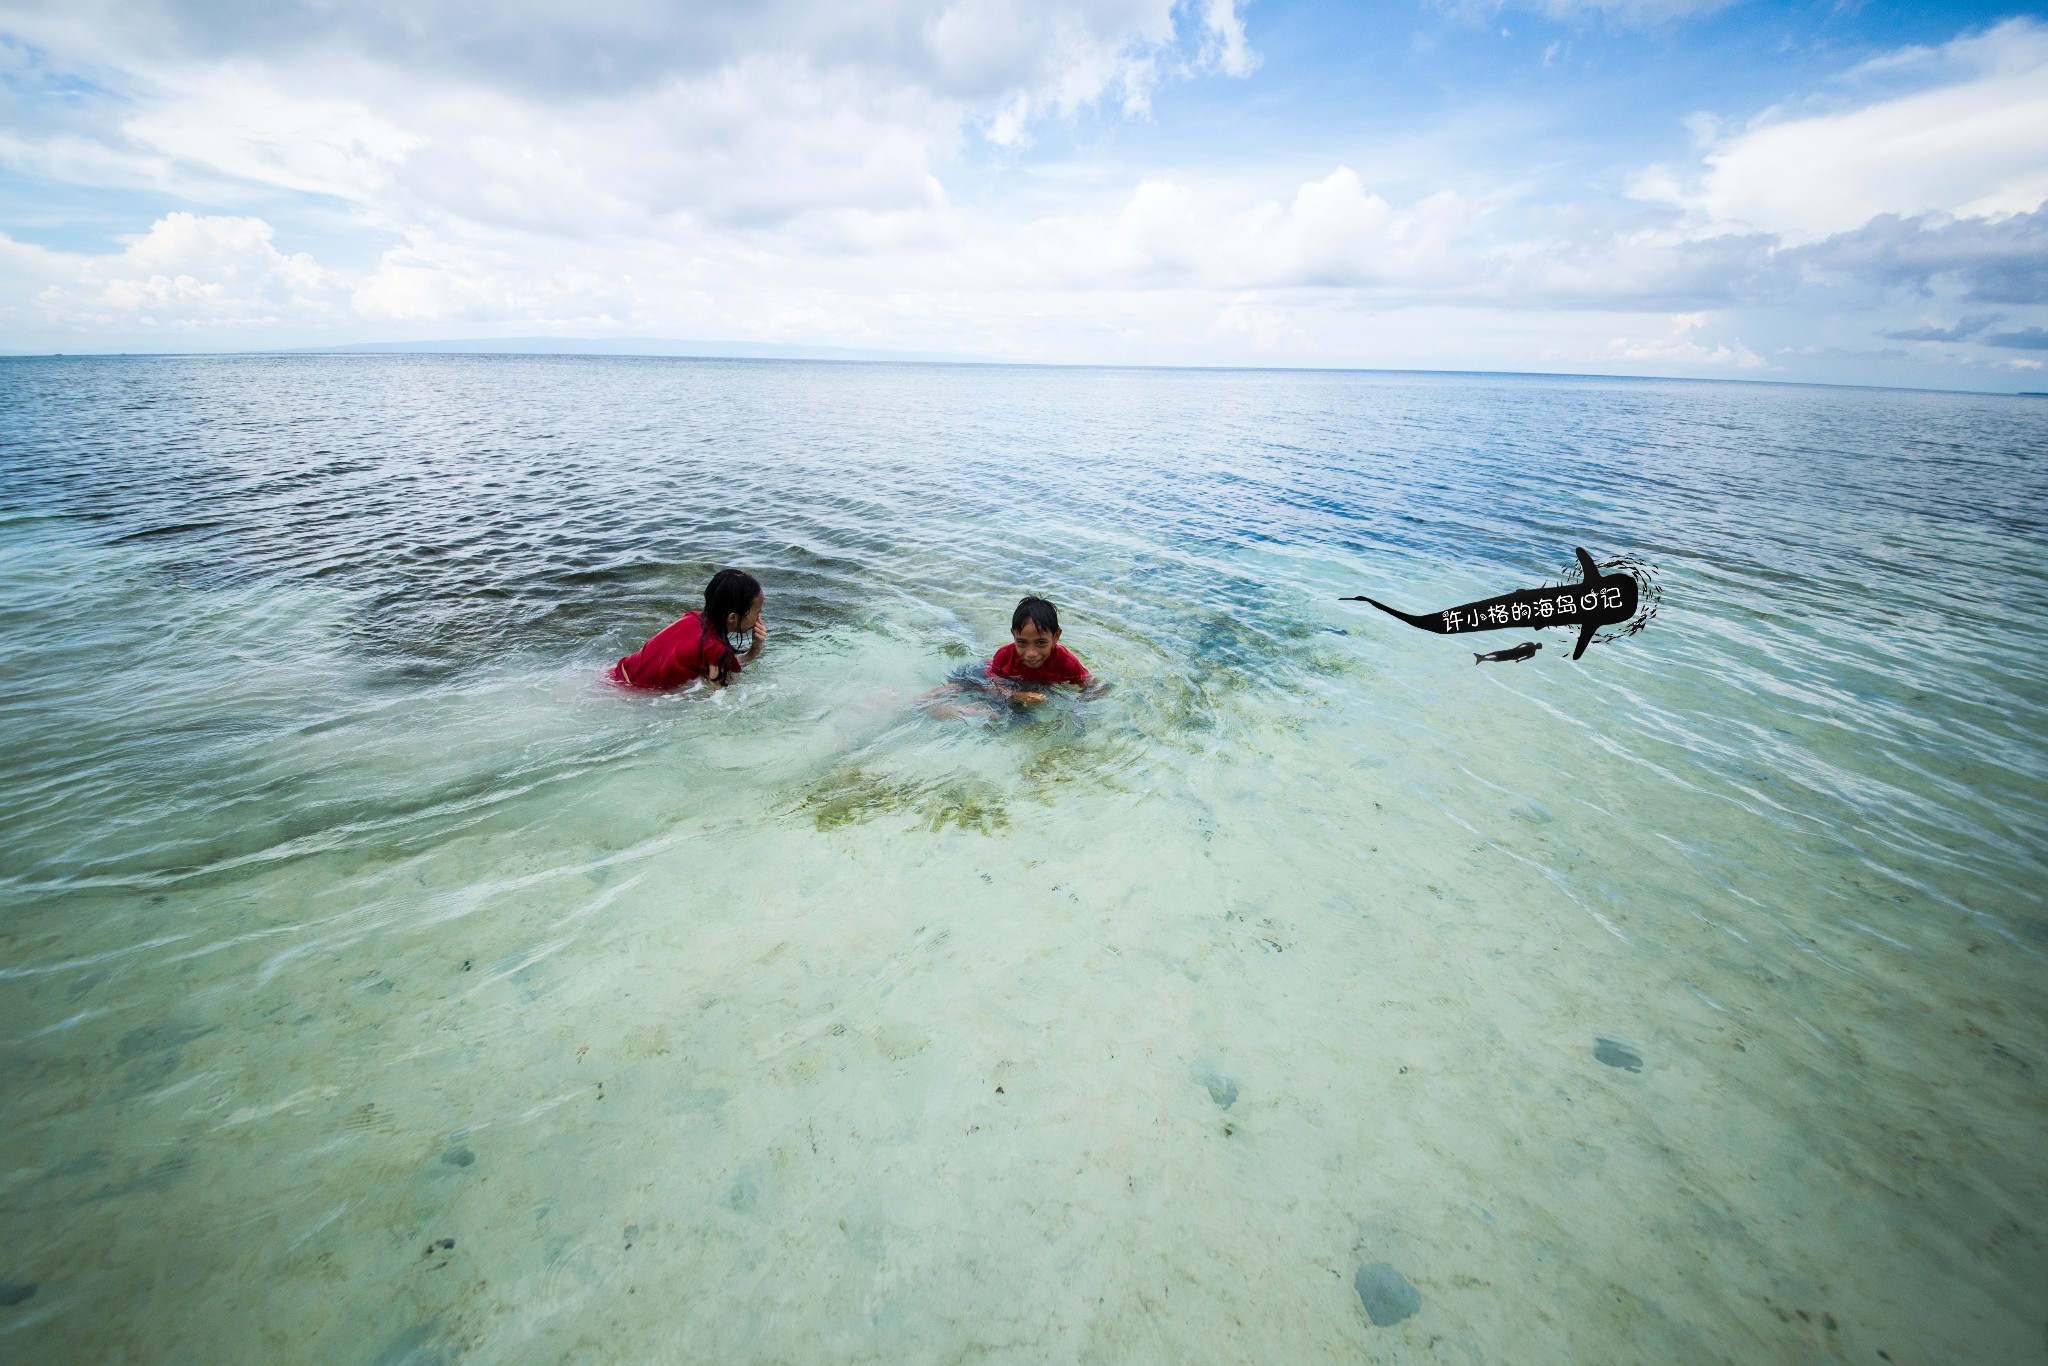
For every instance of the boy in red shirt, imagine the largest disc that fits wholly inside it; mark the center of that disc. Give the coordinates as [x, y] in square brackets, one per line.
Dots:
[1033, 656]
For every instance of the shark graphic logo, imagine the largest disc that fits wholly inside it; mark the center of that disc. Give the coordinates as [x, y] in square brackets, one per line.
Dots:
[1620, 593]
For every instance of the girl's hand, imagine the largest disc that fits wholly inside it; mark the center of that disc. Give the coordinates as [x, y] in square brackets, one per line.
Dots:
[760, 639]
[1029, 699]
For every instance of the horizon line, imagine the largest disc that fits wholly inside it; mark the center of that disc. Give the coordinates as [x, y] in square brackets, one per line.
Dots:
[804, 354]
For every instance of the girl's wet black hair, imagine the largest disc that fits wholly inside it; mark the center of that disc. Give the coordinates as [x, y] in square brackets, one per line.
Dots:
[1039, 613]
[730, 592]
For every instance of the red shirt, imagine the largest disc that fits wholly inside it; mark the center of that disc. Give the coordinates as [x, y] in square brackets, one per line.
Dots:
[1060, 667]
[678, 654]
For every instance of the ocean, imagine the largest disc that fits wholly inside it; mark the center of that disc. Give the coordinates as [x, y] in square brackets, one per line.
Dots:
[380, 984]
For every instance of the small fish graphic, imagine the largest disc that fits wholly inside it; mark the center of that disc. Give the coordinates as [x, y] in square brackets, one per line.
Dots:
[1514, 656]
[1597, 600]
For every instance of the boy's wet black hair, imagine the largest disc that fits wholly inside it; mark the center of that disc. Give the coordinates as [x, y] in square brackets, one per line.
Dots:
[730, 592]
[1039, 613]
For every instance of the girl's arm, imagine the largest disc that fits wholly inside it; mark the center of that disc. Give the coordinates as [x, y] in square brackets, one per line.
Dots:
[715, 673]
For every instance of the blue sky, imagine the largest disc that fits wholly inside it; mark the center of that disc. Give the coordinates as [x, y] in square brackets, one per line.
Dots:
[1834, 192]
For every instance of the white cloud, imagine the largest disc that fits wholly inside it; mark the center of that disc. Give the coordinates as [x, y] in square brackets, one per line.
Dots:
[574, 117]
[241, 124]
[547, 51]
[187, 273]
[1264, 329]
[1225, 47]
[1681, 346]
[1332, 233]
[1974, 147]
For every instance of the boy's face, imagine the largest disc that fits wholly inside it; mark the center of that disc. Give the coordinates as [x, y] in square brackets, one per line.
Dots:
[1034, 644]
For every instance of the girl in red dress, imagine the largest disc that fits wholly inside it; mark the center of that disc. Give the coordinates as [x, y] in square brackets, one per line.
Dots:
[706, 644]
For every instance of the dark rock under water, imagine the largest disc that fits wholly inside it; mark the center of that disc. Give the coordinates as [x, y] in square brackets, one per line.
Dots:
[1614, 1055]
[1386, 1294]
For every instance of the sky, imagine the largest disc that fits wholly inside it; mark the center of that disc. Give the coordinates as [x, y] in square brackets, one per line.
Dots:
[1836, 192]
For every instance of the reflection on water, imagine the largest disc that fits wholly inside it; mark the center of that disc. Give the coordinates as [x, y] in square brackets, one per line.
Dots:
[377, 984]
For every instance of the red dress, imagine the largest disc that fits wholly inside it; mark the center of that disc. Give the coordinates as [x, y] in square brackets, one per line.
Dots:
[1060, 667]
[679, 653]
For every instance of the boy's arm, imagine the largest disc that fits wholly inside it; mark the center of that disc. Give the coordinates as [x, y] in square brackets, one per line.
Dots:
[1013, 689]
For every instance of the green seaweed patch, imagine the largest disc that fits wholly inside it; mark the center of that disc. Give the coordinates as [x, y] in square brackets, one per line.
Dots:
[1061, 767]
[1318, 658]
[857, 796]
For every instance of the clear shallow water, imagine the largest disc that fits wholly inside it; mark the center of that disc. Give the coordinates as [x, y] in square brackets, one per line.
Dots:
[347, 912]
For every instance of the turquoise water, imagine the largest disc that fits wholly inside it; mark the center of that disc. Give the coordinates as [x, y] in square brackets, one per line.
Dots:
[376, 984]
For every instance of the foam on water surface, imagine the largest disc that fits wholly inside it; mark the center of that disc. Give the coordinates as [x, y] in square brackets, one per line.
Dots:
[376, 984]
